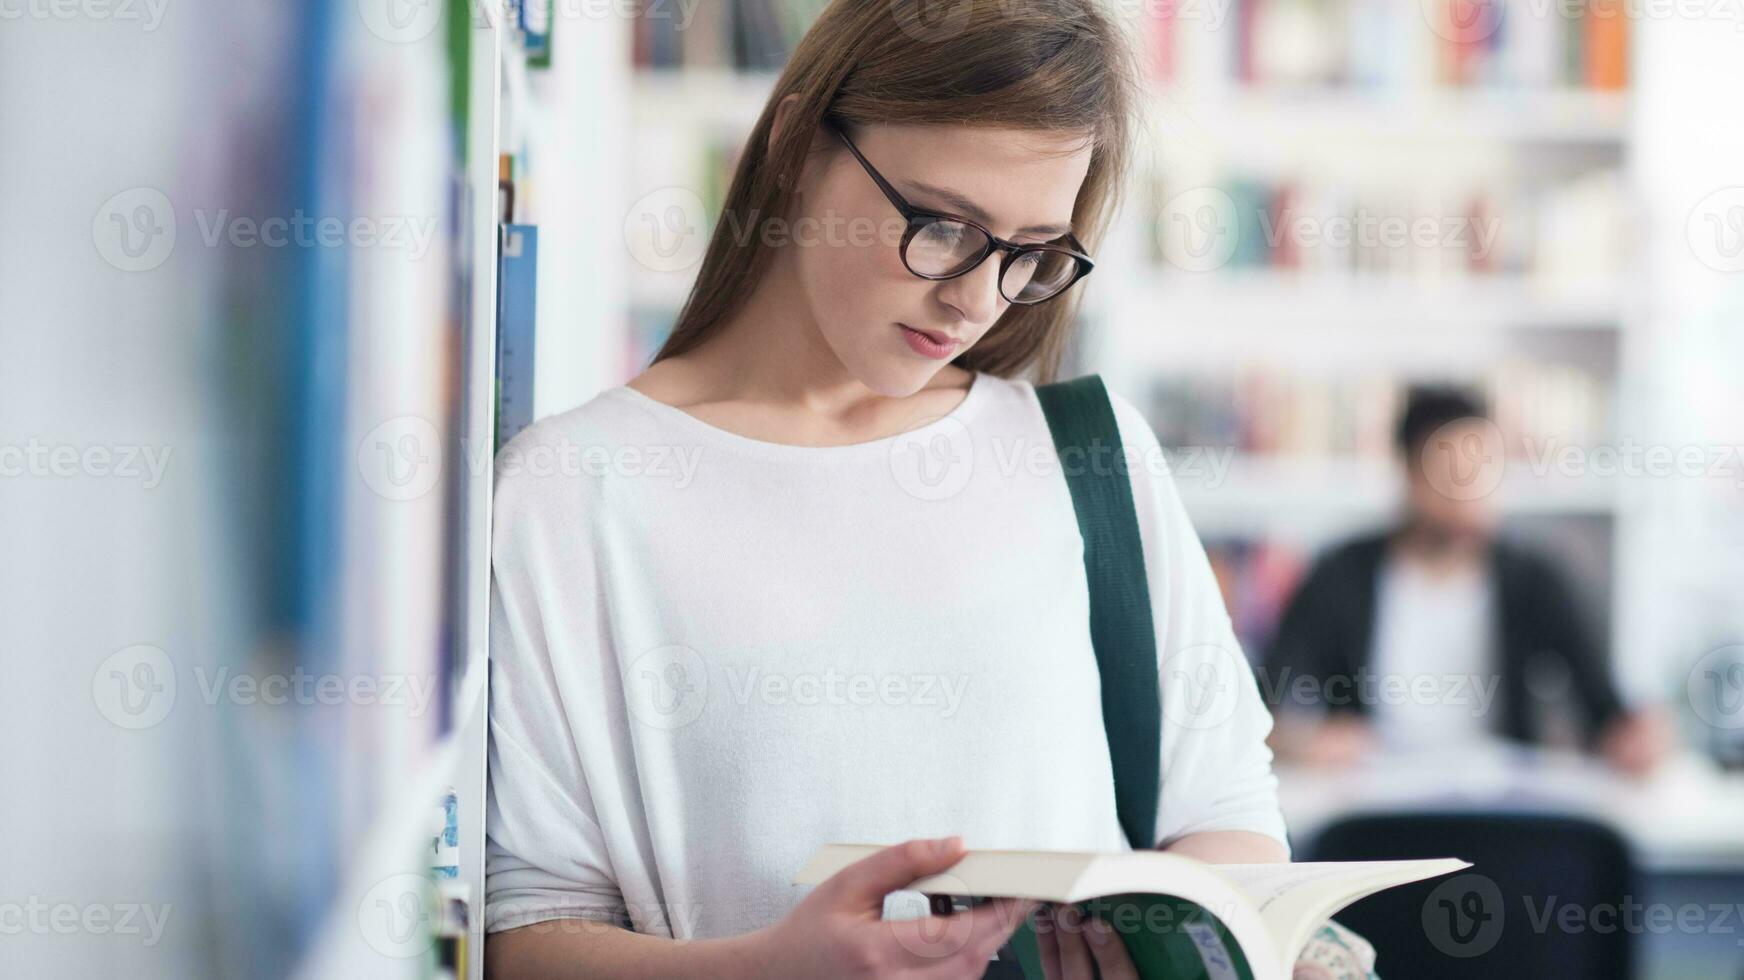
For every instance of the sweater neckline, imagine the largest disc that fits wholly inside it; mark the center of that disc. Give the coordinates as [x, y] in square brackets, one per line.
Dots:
[966, 408]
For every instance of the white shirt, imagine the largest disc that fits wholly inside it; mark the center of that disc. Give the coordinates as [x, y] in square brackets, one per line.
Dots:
[1433, 655]
[712, 654]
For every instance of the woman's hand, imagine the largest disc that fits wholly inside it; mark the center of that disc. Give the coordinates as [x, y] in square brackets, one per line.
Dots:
[838, 929]
[1069, 942]
[1336, 953]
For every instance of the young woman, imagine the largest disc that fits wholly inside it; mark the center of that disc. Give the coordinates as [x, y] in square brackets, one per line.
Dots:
[808, 579]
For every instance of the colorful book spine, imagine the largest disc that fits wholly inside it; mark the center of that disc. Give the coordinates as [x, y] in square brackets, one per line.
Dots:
[517, 300]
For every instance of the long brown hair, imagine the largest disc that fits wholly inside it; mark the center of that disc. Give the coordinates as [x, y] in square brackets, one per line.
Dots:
[1051, 65]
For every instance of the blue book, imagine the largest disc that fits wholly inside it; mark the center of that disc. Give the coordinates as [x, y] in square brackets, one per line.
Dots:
[517, 296]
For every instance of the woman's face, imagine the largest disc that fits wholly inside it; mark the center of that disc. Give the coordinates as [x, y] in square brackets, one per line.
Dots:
[1017, 183]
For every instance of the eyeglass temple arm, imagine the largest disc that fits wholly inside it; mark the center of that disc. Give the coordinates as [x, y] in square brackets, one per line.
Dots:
[895, 199]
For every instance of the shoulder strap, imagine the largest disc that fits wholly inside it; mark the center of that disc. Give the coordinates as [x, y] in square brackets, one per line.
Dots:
[1087, 442]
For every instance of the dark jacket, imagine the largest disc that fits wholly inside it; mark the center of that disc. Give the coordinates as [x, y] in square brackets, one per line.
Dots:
[1326, 630]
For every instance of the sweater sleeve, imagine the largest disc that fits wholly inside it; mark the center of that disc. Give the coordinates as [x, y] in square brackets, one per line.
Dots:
[545, 852]
[1216, 766]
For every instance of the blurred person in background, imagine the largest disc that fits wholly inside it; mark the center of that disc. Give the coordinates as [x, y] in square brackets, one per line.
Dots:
[1439, 605]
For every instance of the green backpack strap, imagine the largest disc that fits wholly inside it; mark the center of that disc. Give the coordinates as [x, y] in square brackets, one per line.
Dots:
[1087, 441]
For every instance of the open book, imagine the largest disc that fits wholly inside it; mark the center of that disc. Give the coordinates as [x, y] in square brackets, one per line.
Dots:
[1179, 918]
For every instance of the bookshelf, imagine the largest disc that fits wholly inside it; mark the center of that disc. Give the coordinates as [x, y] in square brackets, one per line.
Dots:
[1327, 110]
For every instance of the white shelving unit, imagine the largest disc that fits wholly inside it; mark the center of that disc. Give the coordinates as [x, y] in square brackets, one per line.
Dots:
[1147, 323]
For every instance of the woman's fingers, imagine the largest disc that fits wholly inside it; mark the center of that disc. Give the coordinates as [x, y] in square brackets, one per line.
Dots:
[947, 946]
[1048, 944]
[1109, 951]
[1075, 958]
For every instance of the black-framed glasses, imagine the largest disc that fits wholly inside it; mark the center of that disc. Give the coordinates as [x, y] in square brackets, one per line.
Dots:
[941, 246]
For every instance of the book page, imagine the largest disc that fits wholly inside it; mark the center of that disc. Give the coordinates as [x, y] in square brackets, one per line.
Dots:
[1294, 899]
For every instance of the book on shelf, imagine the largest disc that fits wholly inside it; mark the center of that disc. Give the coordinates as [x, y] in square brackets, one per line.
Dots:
[1383, 45]
[738, 35]
[1551, 229]
[517, 303]
[1176, 917]
[1270, 412]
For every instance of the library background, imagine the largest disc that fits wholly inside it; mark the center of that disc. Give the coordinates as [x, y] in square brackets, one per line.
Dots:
[277, 279]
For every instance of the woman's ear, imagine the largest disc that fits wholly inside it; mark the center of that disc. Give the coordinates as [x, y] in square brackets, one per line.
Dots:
[783, 117]
[786, 112]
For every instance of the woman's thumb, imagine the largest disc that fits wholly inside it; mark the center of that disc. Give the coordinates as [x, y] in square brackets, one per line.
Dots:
[869, 879]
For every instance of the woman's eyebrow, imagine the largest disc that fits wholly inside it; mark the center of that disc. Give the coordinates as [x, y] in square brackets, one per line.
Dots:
[972, 210]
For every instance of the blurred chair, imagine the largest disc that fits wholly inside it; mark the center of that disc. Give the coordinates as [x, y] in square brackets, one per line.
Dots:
[1546, 896]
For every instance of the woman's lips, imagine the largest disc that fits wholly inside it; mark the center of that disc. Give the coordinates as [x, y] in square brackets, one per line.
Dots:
[927, 344]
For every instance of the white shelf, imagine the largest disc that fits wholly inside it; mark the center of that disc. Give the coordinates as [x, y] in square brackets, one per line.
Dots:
[1272, 115]
[692, 97]
[1270, 300]
[1257, 489]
